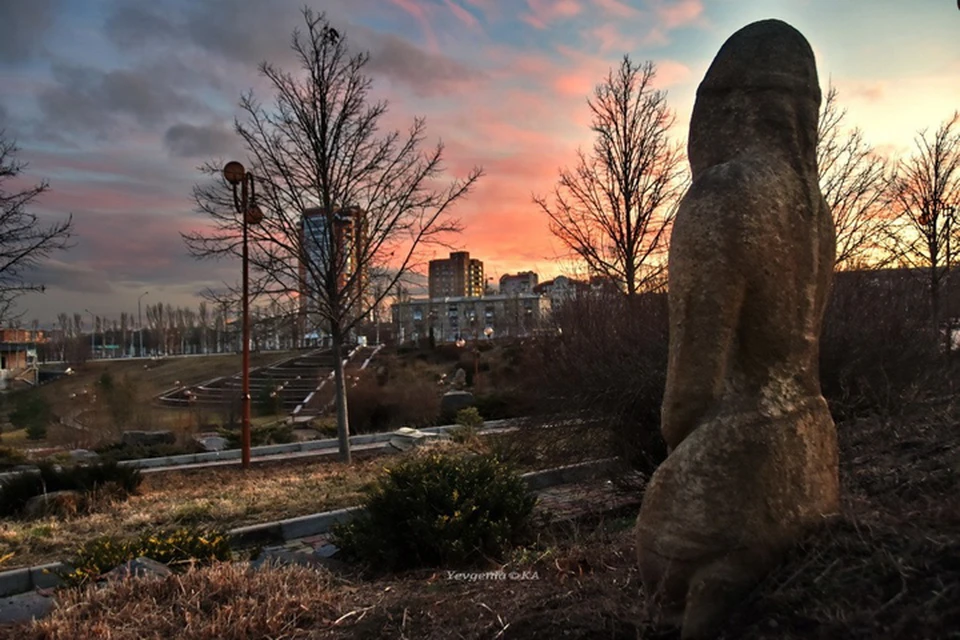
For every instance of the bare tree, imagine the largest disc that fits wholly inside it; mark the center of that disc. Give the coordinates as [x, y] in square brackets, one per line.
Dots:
[614, 210]
[926, 194]
[24, 242]
[854, 180]
[319, 146]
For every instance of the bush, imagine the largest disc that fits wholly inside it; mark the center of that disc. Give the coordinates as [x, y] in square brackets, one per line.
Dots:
[878, 349]
[470, 418]
[169, 547]
[32, 413]
[606, 364]
[399, 403]
[260, 436]
[439, 510]
[117, 451]
[269, 402]
[10, 457]
[16, 491]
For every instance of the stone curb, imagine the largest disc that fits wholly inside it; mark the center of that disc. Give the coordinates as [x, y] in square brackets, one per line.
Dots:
[26, 579]
[280, 531]
[277, 449]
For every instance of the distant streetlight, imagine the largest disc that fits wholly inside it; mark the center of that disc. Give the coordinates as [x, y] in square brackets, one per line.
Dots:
[93, 334]
[246, 206]
[140, 321]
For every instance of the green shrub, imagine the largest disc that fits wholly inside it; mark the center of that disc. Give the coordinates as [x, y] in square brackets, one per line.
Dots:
[10, 457]
[16, 491]
[32, 413]
[169, 547]
[269, 402]
[117, 451]
[439, 510]
[260, 436]
[469, 417]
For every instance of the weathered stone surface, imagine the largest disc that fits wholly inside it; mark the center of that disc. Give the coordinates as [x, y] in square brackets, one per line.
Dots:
[453, 401]
[84, 455]
[406, 438]
[56, 503]
[213, 443]
[142, 567]
[147, 438]
[753, 452]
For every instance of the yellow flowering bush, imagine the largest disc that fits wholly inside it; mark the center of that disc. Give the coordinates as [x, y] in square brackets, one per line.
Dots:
[440, 509]
[169, 547]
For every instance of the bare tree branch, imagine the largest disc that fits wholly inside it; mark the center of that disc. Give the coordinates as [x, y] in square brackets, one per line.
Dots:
[927, 195]
[855, 182]
[319, 146]
[614, 210]
[24, 243]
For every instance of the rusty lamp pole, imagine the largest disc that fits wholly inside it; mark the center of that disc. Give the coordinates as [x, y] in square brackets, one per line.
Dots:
[246, 206]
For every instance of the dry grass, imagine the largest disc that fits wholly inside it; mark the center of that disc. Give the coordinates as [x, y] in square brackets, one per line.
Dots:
[290, 602]
[887, 569]
[222, 497]
[223, 601]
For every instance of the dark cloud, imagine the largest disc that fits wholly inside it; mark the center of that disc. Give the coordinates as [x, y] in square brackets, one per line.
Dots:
[87, 99]
[248, 33]
[426, 73]
[23, 24]
[240, 31]
[132, 26]
[54, 274]
[189, 141]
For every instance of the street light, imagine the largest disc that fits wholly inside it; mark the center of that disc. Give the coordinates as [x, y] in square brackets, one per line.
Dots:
[246, 206]
[93, 334]
[140, 321]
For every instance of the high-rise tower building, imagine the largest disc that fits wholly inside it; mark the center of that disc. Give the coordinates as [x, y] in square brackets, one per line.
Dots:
[456, 276]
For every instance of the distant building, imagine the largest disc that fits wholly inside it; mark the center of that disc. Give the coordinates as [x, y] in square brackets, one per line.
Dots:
[331, 241]
[561, 289]
[450, 318]
[456, 276]
[523, 282]
[18, 355]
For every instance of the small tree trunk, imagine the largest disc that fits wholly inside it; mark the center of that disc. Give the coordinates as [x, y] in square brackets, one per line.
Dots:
[343, 423]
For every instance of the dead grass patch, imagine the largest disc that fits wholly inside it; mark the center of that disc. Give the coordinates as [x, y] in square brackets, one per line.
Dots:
[222, 601]
[223, 498]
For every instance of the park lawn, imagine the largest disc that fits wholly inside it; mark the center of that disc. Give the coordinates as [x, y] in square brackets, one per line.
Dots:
[223, 498]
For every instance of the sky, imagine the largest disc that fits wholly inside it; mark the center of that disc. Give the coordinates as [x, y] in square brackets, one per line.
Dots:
[117, 102]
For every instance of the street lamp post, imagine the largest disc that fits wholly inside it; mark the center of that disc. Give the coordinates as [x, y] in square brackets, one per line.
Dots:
[93, 334]
[140, 321]
[250, 213]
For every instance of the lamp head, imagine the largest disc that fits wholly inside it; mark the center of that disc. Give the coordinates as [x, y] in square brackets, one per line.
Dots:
[254, 214]
[233, 172]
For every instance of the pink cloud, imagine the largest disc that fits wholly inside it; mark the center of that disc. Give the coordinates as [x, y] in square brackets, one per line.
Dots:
[617, 9]
[418, 13]
[462, 14]
[677, 13]
[543, 12]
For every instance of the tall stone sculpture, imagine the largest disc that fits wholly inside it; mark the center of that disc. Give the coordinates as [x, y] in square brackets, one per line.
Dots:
[753, 450]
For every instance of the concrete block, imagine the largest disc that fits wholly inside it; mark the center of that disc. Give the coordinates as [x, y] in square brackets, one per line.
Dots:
[257, 534]
[316, 523]
[47, 575]
[15, 581]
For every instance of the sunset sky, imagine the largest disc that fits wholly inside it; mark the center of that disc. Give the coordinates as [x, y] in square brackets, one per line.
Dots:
[116, 102]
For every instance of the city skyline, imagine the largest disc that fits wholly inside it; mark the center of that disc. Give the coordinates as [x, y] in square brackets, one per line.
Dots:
[117, 105]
